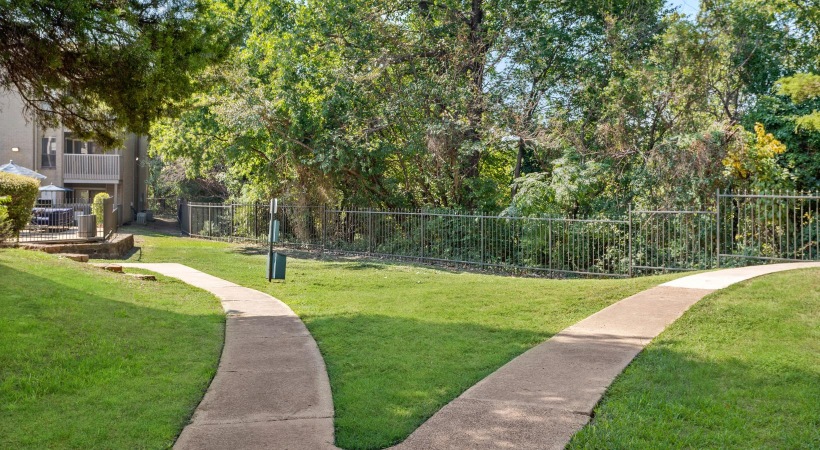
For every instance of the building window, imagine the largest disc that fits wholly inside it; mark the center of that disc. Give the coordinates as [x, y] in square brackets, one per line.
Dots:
[78, 147]
[48, 151]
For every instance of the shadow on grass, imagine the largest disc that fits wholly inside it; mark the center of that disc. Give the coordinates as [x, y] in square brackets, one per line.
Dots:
[389, 374]
[135, 251]
[667, 396]
[250, 250]
[142, 230]
[246, 248]
[69, 345]
[364, 266]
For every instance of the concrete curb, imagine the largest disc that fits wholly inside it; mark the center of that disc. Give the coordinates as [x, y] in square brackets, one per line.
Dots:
[540, 399]
[271, 389]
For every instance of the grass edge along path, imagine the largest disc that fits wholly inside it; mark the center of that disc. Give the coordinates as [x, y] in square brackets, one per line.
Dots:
[92, 359]
[741, 369]
[401, 341]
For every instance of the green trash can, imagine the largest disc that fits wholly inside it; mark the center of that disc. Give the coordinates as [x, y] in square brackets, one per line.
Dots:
[276, 266]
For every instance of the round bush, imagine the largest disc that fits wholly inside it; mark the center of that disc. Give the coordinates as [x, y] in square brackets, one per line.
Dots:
[97, 206]
[22, 192]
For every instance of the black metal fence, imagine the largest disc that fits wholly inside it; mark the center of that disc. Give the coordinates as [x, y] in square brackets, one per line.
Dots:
[52, 222]
[164, 208]
[768, 227]
[672, 240]
[742, 229]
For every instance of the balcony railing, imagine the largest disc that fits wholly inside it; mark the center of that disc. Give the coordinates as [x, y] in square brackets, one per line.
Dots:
[99, 168]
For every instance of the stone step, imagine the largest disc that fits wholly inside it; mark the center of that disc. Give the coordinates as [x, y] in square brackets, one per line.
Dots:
[142, 276]
[79, 257]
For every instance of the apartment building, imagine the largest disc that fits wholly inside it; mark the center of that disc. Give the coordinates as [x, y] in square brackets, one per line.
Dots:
[73, 163]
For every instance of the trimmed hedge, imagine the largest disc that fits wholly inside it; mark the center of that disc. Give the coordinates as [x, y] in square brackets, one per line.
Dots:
[5, 223]
[23, 192]
[97, 206]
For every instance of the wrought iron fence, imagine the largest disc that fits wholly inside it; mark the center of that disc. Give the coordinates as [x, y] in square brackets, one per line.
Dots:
[673, 240]
[543, 244]
[742, 229]
[767, 227]
[164, 208]
[56, 222]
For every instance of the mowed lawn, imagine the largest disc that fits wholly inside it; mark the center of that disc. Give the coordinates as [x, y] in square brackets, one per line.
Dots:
[741, 370]
[91, 359]
[401, 341]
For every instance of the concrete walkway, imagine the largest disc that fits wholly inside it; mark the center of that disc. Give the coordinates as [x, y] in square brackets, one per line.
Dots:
[543, 397]
[271, 388]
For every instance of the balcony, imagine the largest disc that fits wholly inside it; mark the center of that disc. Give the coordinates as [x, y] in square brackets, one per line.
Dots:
[91, 168]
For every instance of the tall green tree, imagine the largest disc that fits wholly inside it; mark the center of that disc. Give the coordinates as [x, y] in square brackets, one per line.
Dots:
[445, 103]
[101, 67]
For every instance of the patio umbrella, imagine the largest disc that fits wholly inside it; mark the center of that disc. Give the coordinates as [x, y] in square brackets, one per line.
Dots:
[52, 188]
[20, 170]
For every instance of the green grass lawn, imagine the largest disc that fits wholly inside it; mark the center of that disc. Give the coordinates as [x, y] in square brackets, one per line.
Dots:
[91, 359]
[741, 369]
[401, 341]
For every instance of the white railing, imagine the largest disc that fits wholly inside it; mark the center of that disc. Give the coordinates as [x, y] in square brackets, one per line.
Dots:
[91, 167]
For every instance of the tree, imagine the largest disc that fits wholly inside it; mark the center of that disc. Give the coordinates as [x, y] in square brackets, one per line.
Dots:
[789, 119]
[99, 67]
[444, 103]
[394, 103]
[753, 163]
[803, 87]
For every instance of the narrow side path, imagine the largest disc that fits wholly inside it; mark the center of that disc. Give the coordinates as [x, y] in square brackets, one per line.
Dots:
[543, 397]
[271, 389]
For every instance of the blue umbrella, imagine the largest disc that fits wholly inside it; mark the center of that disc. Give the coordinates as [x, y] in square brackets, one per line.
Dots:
[20, 170]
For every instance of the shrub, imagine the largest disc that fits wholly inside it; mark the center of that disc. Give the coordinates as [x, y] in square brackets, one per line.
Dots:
[5, 223]
[97, 206]
[22, 192]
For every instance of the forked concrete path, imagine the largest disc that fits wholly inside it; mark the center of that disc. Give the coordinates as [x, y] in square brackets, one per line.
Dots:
[543, 397]
[271, 389]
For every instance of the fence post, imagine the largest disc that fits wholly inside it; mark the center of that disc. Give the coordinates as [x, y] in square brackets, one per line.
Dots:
[369, 230]
[717, 226]
[232, 225]
[482, 240]
[256, 221]
[324, 227]
[549, 255]
[190, 220]
[629, 240]
[421, 216]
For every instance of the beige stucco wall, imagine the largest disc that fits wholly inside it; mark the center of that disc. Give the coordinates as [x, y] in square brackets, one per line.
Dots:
[15, 131]
[18, 130]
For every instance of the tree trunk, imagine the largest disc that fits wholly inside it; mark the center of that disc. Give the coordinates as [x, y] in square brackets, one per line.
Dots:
[518, 161]
[474, 70]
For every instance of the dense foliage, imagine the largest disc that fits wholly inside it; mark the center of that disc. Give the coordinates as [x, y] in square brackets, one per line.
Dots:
[5, 223]
[22, 193]
[98, 207]
[530, 107]
[99, 67]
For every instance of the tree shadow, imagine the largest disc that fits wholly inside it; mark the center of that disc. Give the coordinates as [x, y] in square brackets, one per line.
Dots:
[247, 248]
[142, 230]
[390, 374]
[668, 396]
[71, 344]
